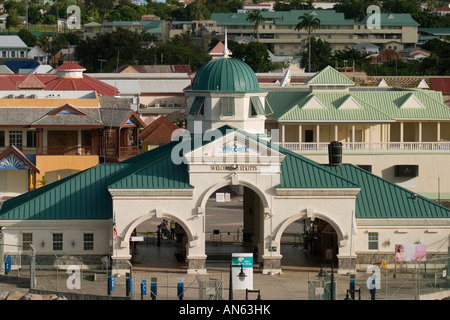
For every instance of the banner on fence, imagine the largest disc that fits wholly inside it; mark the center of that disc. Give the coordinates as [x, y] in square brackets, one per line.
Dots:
[410, 252]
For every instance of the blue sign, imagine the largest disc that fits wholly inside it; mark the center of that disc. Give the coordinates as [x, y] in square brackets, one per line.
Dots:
[8, 264]
[111, 282]
[144, 287]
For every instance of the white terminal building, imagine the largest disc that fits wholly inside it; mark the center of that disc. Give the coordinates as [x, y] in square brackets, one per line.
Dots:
[357, 218]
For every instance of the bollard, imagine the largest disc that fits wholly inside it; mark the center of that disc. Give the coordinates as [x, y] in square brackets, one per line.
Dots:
[153, 290]
[180, 291]
[128, 285]
[111, 284]
[373, 290]
[143, 289]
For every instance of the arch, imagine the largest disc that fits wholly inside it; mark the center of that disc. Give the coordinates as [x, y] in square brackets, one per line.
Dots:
[280, 229]
[210, 191]
[129, 229]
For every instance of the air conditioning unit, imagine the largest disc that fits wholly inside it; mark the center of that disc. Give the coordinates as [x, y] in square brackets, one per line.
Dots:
[410, 170]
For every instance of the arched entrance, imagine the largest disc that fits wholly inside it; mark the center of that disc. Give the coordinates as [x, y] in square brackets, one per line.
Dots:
[309, 242]
[233, 224]
[153, 247]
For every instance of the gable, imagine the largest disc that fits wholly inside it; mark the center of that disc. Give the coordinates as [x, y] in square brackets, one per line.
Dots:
[350, 103]
[313, 103]
[412, 102]
[13, 159]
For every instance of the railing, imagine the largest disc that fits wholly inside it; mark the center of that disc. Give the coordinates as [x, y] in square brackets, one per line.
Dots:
[55, 150]
[375, 147]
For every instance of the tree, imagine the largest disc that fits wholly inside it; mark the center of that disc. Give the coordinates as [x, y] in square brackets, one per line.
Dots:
[13, 19]
[321, 53]
[198, 10]
[309, 23]
[255, 17]
[351, 54]
[27, 37]
[117, 48]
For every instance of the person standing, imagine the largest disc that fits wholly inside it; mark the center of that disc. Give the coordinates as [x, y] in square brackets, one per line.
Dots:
[163, 228]
[172, 230]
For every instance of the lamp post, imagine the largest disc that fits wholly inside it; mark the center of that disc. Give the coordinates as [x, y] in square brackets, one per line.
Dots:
[241, 277]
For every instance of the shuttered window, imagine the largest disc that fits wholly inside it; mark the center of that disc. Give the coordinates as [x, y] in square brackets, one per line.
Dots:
[257, 108]
[197, 107]
[227, 106]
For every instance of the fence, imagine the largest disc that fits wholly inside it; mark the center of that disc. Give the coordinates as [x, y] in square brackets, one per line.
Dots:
[422, 280]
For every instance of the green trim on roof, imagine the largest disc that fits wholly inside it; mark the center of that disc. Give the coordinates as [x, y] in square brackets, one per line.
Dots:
[380, 199]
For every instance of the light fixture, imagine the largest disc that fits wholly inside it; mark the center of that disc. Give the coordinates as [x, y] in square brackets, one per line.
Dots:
[414, 197]
[73, 243]
[234, 166]
[242, 274]
[43, 243]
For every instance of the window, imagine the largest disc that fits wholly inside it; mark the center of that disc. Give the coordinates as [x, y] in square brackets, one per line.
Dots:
[27, 241]
[13, 54]
[22, 54]
[256, 107]
[31, 139]
[15, 138]
[197, 106]
[227, 106]
[4, 54]
[88, 240]
[2, 138]
[57, 241]
[373, 241]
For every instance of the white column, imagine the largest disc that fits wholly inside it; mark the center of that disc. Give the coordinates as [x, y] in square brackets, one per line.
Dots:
[420, 131]
[438, 134]
[282, 135]
[353, 137]
[300, 137]
[318, 136]
[336, 137]
[401, 131]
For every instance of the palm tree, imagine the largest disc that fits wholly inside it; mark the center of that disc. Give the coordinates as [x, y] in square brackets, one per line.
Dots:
[309, 23]
[256, 17]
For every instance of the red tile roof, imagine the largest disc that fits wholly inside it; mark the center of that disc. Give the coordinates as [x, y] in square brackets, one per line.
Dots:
[10, 82]
[441, 84]
[70, 65]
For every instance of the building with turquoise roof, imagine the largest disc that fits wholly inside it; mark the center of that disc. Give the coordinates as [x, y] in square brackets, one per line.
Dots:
[357, 217]
[277, 30]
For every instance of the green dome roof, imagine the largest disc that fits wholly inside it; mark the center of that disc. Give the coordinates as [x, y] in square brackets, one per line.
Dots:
[225, 74]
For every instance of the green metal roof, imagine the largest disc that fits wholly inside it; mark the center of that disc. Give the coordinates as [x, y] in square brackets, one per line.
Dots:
[329, 76]
[373, 104]
[83, 195]
[333, 107]
[300, 172]
[326, 17]
[380, 199]
[226, 74]
[394, 19]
